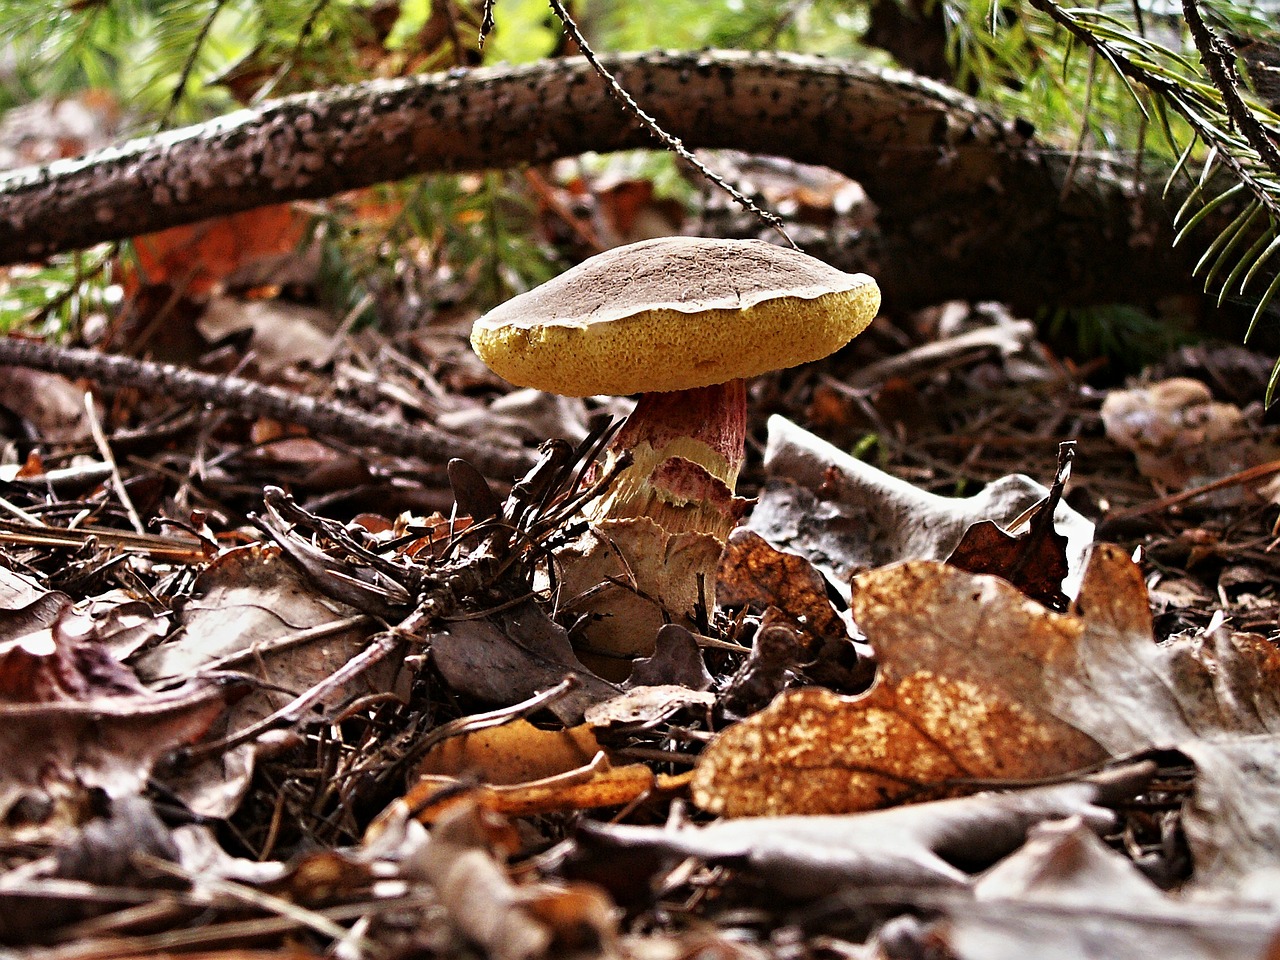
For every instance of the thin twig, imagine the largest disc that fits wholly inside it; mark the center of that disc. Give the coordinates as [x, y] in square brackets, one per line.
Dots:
[674, 144]
[266, 902]
[13, 509]
[193, 56]
[109, 458]
[308, 26]
[249, 398]
[1242, 478]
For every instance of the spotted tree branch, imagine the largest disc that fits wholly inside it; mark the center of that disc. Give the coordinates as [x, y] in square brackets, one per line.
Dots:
[970, 204]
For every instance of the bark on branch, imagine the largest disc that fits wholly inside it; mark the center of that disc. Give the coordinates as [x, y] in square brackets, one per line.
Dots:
[970, 205]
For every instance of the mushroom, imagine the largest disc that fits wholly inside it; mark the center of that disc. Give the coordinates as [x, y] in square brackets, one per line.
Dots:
[681, 321]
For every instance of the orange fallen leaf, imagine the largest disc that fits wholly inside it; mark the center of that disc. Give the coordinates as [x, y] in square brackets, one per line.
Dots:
[196, 258]
[523, 770]
[977, 681]
[514, 752]
[954, 699]
[593, 786]
[754, 573]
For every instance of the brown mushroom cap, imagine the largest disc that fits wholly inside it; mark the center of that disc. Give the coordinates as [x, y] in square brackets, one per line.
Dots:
[673, 314]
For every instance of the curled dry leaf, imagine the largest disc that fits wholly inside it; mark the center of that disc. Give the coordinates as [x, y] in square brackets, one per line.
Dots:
[520, 770]
[755, 574]
[810, 856]
[1065, 893]
[846, 516]
[1035, 565]
[1035, 561]
[769, 667]
[72, 719]
[593, 785]
[125, 625]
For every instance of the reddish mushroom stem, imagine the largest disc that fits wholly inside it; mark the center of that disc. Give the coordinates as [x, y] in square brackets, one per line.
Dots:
[686, 448]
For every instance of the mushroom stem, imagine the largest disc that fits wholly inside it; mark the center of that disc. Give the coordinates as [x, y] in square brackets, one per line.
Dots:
[686, 449]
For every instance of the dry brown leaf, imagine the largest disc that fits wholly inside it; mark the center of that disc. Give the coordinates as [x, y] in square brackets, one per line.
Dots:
[197, 258]
[1036, 566]
[955, 699]
[124, 624]
[979, 681]
[1067, 896]
[1129, 693]
[1180, 436]
[755, 574]
[51, 405]
[1231, 819]
[282, 334]
[73, 719]
[644, 706]
[768, 669]
[514, 655]
[253, 610]
[846, 516]
[677, 660]
[241, 606]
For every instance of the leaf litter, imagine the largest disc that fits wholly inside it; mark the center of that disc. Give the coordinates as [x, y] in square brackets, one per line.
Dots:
[918, 721]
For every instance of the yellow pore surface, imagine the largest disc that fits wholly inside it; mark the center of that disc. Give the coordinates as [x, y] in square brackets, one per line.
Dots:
[667, 349]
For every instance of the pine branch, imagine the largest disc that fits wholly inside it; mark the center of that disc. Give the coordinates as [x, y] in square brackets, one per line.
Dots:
[1181, 97]
[1219, 62]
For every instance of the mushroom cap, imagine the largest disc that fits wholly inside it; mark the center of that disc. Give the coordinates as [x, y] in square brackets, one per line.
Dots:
[673, 314]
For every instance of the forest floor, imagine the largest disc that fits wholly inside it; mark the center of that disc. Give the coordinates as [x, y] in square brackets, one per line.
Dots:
[1003, 684]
